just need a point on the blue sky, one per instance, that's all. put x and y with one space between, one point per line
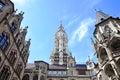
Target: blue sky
78 18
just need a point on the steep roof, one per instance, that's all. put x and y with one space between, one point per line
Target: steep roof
100 16
81 66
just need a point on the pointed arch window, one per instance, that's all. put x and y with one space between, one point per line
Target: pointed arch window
35 77
103 55
109 71
1 5
42 78
25 77
3 41
5 73
18 42
12 27
107 31
12 56
19 68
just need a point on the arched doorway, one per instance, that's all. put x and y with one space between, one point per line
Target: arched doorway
25 77
35 77
42 78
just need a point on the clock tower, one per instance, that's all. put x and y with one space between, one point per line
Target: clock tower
60 53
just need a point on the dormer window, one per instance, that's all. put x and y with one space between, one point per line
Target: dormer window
102 19
1 5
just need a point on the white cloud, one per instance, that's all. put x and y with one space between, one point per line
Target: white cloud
81 31
75 19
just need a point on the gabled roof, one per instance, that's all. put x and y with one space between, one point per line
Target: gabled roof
100 16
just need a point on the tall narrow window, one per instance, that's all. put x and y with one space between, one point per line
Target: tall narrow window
3 41
42 78
18 42
5 73
12 27
107 31
12 57
1 5
35 77
25 77
19 68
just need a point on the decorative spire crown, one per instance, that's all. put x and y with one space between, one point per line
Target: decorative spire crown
60 27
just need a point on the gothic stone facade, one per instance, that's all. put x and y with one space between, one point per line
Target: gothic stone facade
62 64
14 50
107 46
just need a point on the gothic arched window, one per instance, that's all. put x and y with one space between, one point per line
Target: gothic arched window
115 45
3 41
35 77
1 5
103 54
42 78
19 68
109 70
12 27
18 42
107 31
25 77
5 73
12 56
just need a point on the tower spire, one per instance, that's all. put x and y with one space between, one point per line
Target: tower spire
61 28
60 47
100 16
60 23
